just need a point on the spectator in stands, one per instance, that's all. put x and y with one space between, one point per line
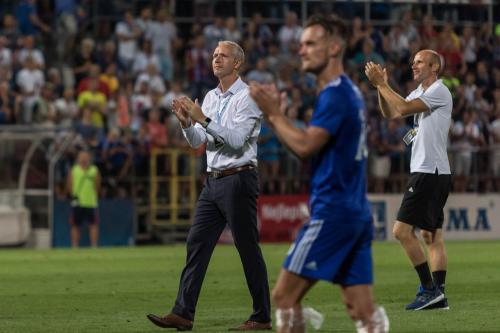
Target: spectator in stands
465 137
198 68
128 34
154 80
469 87
367 53
96 101
66 26
214 33
268 153
44 110
10 31
495 143
175 92
93 75
144 21
84 184
141 147
399 45
469 46
117 157
163 36
357 35
90 133
409 29
29 50
483 79
145 57
66 108
260 33
157 131
9 107
260 73
428 33
30 80
231 30
141 101
108 56
110 79
289 32
27 18
5 53
450 81
84 59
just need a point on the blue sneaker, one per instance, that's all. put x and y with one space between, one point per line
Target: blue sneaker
441 305
426 298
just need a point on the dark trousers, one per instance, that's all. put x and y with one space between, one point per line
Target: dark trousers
232 200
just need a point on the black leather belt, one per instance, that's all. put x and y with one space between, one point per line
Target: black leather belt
230 171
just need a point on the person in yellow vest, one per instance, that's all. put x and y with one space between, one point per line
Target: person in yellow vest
84 183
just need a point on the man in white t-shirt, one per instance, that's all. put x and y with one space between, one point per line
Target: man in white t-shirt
430 180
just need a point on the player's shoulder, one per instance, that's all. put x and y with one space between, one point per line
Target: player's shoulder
439 89
340 87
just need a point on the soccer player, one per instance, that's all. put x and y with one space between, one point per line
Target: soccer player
430 180
335 245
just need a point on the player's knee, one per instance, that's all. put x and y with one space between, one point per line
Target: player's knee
399 234
427 236
351 310
281 300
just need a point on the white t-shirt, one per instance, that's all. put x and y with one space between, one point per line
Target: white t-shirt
429 147
126 49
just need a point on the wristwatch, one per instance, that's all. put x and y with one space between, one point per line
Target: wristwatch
205 122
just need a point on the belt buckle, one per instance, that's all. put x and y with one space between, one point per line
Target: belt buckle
217 174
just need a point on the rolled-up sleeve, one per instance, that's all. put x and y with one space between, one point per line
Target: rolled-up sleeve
246 118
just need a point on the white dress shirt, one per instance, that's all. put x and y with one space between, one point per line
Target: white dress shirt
232 133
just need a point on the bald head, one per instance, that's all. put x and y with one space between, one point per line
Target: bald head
434 59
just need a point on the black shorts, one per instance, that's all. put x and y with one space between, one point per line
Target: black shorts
81 215
424 200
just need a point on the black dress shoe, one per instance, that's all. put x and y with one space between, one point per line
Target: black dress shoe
171 320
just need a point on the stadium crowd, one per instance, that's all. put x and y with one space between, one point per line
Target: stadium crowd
115 88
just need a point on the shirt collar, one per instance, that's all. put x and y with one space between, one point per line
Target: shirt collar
235 87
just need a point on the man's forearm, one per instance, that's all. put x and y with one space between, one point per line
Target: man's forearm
294 138
390 102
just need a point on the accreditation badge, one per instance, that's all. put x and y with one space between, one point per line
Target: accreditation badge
410 136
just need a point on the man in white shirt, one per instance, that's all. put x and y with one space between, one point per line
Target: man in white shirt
229 122
430 181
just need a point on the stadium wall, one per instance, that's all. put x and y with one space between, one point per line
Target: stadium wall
467 216
116 223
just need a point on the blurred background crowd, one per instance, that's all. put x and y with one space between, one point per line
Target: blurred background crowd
109 70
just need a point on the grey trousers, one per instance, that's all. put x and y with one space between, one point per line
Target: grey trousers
228 200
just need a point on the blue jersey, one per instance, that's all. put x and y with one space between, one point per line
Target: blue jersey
338 180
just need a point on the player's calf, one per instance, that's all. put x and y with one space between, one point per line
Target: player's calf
378 323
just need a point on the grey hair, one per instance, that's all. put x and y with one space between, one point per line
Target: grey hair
238 52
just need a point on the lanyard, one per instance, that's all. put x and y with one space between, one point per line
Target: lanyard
222 109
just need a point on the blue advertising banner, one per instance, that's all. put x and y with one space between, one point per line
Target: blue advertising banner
116 224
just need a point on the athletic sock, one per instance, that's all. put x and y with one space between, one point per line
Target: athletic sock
439 279
424 274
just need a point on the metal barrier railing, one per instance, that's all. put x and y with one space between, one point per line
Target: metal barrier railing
176 205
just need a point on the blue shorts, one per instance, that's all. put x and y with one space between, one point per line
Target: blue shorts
338 252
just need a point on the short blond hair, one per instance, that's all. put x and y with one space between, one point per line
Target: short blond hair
238 52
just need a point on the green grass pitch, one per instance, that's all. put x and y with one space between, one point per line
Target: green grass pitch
112 290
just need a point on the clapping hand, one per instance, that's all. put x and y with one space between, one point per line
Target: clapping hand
181 113
376 74
192 108
267 98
